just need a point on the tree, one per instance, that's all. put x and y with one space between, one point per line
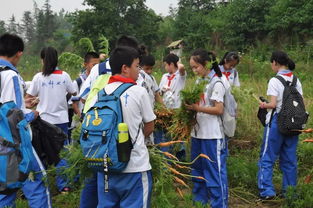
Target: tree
12 27
2 27
28 26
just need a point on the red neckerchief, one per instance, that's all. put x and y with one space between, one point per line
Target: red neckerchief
119 78
288 74
170 78
227 74
57 71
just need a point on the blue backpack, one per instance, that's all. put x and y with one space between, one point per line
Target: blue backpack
99 133
16 154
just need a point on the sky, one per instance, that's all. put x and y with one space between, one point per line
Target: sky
17 7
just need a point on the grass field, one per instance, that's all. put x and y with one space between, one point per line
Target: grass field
244 147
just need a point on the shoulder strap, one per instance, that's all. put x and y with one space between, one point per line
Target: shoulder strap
102 95
79 82
282 80
103 68
294 81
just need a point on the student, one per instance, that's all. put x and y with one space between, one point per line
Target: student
147 80
90 60
51 86
11 50
207 136
104 67
131 188
172 82
227 66
274 143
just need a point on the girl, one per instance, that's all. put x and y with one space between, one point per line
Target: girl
227 66
274 143
208 136
51 86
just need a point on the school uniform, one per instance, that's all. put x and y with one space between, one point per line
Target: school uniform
95 72
131 188
148 82
208 138
53 106
35 191
276 145
231 75
170 86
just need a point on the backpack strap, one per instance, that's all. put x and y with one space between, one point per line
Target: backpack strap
282 80
294 81
79 82
102 67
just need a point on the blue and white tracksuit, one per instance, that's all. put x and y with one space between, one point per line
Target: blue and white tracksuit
37 194
274 146
126 190
215 188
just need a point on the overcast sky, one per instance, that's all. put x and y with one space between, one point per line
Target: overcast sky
17 7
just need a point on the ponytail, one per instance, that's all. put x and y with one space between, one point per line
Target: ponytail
214 65
291 64
50 60
282 58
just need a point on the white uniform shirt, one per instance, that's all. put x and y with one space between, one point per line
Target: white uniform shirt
148 82
231 75
83 78
135 112
210 126
94 74
52 91
12 89
171 97
276 88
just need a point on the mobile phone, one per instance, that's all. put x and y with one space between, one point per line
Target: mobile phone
263 99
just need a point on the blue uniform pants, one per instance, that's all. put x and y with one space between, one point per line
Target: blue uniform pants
214 189
37 194
89 194
126 190
274 146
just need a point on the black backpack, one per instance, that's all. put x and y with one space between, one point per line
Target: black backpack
293 115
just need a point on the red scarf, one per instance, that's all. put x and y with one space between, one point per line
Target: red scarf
227 74
288 74
119 78
170 78
57 71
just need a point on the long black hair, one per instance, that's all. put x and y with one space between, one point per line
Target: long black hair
283 59
49 55
202 56
230 56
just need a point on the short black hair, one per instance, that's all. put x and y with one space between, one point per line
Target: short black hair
49 55
90 55
230 56
129 41
171 58
120 56
148 60
10 44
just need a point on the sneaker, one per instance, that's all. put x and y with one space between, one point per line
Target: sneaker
265 198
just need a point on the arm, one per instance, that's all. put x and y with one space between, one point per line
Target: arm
270 105
76 108
158 98
148 128
217 109
181 69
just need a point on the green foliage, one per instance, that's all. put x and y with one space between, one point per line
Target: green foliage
83 46
299 197
103 45
70 62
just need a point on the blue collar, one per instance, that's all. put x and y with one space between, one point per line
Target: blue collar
284 71
7 64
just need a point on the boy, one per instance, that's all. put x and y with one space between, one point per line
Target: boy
90 60
11 50
132 187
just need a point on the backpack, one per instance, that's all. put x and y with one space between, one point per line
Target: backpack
16 151
103 67
99 134
293 115
230 110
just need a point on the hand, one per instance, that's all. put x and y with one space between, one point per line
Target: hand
193 107
31 102
262 104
